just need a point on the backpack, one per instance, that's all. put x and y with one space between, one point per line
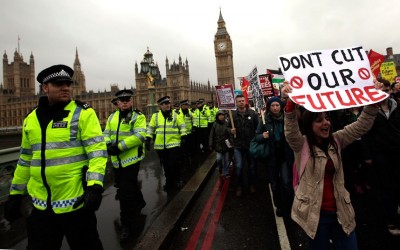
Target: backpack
305 156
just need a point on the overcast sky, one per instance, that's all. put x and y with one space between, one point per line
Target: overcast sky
112 35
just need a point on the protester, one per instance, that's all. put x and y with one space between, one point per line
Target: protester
382 145
61 166
243 127
280 160
322 206
218 139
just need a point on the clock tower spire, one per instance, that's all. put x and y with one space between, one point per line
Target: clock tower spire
223 54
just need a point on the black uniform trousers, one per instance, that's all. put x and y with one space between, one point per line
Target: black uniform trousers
46 230
130 194
171 160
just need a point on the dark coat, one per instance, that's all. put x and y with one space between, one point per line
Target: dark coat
246 125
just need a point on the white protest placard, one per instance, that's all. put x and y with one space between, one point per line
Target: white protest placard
326 80
225 97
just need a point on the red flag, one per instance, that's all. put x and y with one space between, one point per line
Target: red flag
375 59
245 86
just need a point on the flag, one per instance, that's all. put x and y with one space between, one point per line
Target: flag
245 86
277 80
375 60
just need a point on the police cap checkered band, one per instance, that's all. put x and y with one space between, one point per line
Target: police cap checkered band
56 74
124 93
163 100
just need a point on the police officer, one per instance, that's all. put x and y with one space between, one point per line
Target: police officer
125 134
187 115
61 166
200 123
168 131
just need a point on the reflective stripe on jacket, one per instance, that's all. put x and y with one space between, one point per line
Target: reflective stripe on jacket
188 120
131 136
166 132
67 146
200 117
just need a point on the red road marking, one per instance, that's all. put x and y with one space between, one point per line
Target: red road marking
207 243
194 238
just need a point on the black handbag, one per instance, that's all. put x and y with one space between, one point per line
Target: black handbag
259 150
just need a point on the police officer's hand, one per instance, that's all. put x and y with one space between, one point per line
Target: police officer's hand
147 143
183 141
12 209
91 199
112 149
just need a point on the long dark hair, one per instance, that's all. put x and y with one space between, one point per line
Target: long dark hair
308 117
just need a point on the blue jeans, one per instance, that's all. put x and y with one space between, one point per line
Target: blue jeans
329 228
223 162
280 177
239 156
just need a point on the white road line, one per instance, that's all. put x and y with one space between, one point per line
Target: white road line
280 225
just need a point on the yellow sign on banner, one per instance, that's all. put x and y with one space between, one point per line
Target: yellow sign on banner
388 71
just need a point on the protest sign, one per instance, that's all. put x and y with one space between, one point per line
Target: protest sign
225 97
388 71
266 85
256 93
326 80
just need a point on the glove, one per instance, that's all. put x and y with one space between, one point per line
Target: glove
194 129
183 141
147 143
112 149
91 199
12 209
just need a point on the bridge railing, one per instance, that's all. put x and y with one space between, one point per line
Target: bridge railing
8 162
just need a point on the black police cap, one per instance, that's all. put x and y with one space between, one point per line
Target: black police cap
124 93
114 100
56 74
163 100
184 102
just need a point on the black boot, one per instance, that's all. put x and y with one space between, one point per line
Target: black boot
125 234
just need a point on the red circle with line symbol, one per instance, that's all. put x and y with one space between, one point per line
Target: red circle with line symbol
364 73
296 82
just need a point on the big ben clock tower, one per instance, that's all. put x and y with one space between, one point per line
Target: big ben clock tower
223 54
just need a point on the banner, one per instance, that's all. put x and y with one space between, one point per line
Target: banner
330 79
388 71
266 85
375 59
225 97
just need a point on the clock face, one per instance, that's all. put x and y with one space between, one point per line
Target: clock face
221 46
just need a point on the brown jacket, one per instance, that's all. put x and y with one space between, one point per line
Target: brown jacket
308 195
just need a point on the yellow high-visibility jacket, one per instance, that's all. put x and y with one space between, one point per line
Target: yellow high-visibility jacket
166 132
131 133
200 117
50 165
188 120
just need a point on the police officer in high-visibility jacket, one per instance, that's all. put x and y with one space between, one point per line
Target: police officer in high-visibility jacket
61 166
200 124
168 131
187 115
125 135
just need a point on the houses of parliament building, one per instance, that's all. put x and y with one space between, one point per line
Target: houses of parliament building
18 97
